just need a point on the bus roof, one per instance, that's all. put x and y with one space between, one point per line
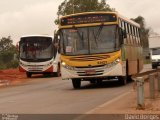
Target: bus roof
103 12
128 20
36 36
83 13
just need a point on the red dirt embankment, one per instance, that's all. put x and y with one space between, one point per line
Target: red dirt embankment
11 75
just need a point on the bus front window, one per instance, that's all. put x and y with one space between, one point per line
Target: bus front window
74 41
89 40
104 39
36 48
156 52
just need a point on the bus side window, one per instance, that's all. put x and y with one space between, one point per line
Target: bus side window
124 31
123 25
120 23
130 34
126 28
138 40
133 36
137 43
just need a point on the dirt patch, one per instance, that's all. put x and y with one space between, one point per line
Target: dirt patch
10 76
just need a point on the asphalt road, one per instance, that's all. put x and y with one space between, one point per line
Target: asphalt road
54 96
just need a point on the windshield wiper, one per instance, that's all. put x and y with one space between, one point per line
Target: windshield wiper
96 36
79 35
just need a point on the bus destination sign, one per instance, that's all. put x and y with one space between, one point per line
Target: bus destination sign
88 18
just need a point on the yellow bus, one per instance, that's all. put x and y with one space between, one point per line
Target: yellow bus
96 46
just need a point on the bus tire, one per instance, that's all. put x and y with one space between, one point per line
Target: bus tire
99 82
28 74
154 67
46 74
129 78
58 73
122 80
76 83
92 81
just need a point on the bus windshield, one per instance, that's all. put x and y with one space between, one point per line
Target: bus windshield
36 48
156 52
89 40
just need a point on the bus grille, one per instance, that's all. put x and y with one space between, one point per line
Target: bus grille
90 66
87 71
35 70
96 73
89 58
32 68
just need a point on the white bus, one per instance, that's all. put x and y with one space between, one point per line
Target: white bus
38 55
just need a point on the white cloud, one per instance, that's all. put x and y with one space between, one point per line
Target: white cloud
33 19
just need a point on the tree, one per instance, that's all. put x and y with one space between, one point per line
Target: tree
7 51
76 6
5 43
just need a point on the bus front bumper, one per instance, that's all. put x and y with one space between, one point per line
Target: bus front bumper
94 72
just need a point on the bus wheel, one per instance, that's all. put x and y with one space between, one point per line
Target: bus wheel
46 74
154 67
76 83
122 80
129 78
99 82
92 81
58 73
28 74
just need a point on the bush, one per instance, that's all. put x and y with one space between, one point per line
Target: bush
13 64
2 66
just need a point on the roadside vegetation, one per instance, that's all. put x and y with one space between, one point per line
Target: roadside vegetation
8 53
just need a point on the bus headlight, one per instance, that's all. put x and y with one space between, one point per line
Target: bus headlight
112 64
63 63
118 60
67 66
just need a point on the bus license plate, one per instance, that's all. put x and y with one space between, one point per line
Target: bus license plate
90 72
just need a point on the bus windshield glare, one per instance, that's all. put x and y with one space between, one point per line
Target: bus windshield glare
36 48
89 40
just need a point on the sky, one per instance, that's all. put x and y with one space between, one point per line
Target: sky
30 17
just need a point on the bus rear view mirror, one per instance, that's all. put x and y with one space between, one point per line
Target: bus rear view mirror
121 35
56 39
56 45
124 34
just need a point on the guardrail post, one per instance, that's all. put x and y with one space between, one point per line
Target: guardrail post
158 79
140 92
152 86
